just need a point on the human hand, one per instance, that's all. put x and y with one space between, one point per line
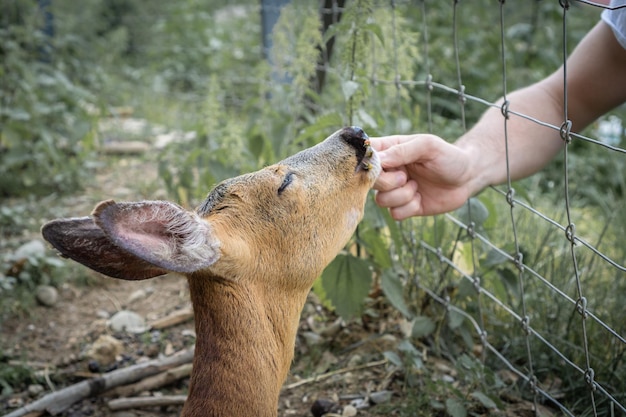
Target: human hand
422 175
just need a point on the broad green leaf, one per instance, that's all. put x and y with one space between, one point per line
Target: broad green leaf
318 289
376 246
423 326
393 289
408 348
412 355
492 219
392 226
484 399
455 408
455 319
476 209
347 281
510 280
493 258
394 358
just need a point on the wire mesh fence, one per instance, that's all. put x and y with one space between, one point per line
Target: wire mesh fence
586 310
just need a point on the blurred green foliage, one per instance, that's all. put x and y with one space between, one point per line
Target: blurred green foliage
44 126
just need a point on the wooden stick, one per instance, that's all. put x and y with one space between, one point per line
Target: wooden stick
150 383
138 402
59 401
177 317
332 373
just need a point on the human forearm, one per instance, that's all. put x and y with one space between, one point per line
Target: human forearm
595 84
529 146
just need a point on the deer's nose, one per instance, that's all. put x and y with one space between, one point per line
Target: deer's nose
355 136
358 132
358 140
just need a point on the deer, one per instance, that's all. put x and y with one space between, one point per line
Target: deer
250 251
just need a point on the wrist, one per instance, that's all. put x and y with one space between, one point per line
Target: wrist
483 169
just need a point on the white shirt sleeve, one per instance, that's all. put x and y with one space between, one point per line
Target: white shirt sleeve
616 19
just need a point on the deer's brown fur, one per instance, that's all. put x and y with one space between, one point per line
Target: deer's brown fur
250 252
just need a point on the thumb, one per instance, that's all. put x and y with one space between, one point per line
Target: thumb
401 154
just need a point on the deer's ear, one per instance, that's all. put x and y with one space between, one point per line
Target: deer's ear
136 241
159 233
83 241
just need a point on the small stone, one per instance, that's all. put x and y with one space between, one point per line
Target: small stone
188 333
137 295
103 314
312 339
323 406
104 350
35 389
93 366
332 329
46 295
381 397
447 379
152 350
355 360
325 362
349 411
127 321
359 403
15 402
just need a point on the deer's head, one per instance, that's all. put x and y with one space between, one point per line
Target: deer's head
287 220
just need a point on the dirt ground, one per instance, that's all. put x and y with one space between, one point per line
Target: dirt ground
56 339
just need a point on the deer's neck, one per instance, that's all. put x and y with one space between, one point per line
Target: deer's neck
244 348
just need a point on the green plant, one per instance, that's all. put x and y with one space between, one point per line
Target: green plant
13 376
43 121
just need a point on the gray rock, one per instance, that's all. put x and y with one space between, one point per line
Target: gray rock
47 295
381 397
127 321
35 389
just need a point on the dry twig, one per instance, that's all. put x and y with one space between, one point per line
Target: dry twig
335 372
138 402
153 382
59 401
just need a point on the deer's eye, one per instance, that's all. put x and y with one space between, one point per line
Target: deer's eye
286 181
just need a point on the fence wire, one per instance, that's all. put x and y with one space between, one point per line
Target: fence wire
583 306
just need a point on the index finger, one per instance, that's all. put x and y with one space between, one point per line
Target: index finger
385 142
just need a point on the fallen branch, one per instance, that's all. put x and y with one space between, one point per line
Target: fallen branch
177 317
156 381
320 377
138 402
59 401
